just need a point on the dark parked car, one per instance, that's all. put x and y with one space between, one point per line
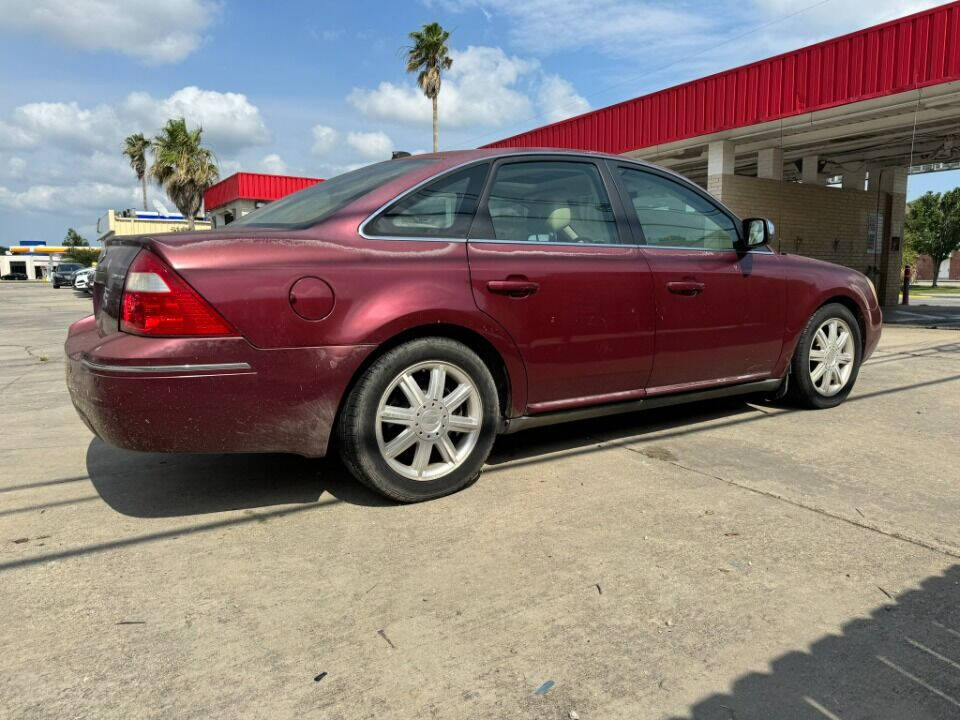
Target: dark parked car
411 310
14 276
64 273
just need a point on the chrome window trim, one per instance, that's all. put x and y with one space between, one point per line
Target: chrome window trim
637 164
539 243
186 368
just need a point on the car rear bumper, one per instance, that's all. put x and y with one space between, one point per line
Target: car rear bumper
206 394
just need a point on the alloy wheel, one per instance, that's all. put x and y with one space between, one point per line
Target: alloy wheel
428 420
832 353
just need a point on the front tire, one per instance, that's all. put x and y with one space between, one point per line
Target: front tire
421 421
827 359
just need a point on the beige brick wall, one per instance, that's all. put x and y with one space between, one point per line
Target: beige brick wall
826 223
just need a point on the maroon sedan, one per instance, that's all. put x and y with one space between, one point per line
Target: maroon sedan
411 310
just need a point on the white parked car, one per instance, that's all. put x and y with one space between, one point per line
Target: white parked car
83 280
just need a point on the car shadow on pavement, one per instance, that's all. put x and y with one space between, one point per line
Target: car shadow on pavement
584 435
901 662
150 485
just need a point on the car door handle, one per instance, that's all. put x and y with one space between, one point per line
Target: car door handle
686 287
514 288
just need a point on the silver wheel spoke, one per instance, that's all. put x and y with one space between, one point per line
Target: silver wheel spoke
412 390
821 338
438 376
842 339
455 399
817 354
462 423
845 357
447 449
818 372
421 457
400 443
398 415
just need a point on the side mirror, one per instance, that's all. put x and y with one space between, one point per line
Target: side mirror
757 232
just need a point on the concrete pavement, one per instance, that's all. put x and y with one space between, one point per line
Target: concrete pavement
724 560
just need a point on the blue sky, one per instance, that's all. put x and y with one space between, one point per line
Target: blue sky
318 88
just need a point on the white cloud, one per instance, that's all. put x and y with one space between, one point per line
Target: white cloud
67 124
15 137
324 139
373 145
91 196
156 32
558 100
229 120
545 27
15 167
480 89
274 165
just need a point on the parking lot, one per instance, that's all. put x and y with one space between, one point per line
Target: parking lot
727 560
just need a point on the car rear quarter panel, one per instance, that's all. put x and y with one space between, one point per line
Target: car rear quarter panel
382 288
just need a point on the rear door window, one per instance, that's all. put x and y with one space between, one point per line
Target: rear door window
551 201
441 209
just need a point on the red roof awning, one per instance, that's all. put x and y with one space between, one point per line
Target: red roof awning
913 52
254 186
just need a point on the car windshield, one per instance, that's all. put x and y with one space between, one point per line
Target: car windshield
68 267
319 201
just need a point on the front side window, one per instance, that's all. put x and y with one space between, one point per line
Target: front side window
551 201
672 215
442 209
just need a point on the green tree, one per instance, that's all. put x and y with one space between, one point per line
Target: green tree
429 57
932 226
86 256
135 148
74 239
183 167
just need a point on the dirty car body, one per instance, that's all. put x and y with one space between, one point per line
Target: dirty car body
602 302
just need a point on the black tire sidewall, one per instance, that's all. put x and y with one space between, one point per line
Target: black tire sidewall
804 390
367 459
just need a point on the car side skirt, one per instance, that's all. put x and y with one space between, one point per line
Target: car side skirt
525 422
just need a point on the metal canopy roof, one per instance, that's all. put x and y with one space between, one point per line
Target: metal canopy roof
857 94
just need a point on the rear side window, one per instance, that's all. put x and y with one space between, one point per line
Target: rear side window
551 201
672 215
441 209
318 202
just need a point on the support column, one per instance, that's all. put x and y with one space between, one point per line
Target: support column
770 164
854 179
721 160
809 173
893 182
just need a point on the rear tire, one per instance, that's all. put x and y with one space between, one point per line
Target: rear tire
827 359
421 421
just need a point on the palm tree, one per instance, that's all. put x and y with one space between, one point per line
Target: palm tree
183 167
135 148
428 56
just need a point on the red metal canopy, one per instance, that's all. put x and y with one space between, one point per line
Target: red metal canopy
254 186
913 52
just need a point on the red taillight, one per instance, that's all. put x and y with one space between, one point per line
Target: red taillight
157 301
